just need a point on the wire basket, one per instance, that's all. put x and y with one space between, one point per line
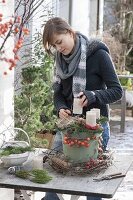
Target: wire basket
15 159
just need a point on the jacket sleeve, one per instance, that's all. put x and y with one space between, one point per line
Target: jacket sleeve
113 91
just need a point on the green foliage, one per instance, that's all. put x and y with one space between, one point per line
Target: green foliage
127 82
14 150
36 95
39 142
40 176
36 175
102 120
22 174
77 127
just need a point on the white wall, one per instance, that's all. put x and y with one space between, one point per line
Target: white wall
84 15
101 14
63 9
93 15
6 92
80 16
6 82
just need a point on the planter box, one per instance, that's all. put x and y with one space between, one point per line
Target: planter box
80 154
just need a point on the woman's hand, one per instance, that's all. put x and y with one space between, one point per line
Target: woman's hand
64 113
83 99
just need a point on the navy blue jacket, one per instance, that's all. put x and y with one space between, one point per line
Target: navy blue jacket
101 78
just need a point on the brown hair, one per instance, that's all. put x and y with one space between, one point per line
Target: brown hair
53 26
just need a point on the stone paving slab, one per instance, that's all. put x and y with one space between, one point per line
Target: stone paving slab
123 141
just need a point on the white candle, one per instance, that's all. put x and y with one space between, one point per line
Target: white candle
97 110
38 162
91 118
77 109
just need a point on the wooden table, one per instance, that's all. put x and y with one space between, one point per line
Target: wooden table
74 185
125 76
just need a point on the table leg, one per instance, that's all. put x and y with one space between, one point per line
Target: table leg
26 196
73 197
60 196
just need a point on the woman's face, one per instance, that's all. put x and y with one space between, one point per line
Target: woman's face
64 43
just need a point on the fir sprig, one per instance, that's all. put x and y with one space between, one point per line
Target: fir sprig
76 127
14 150
36 175
39 176
22 174
102 120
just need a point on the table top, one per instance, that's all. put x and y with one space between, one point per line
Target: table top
76 185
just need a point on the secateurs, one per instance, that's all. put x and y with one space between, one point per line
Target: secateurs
110 176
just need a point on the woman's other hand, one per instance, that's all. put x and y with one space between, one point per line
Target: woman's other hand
83 99
64 113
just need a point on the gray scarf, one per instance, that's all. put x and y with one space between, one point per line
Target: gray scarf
75 64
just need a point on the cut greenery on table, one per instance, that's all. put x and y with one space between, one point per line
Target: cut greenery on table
36 175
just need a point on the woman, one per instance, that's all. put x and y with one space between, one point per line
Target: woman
83 69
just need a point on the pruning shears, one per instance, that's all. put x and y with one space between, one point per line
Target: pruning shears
109 177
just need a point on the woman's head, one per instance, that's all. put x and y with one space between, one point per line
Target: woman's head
59 34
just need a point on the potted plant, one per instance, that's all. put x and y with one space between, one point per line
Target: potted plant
36 96
48 119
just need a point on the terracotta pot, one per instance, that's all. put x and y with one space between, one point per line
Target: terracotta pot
48 136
